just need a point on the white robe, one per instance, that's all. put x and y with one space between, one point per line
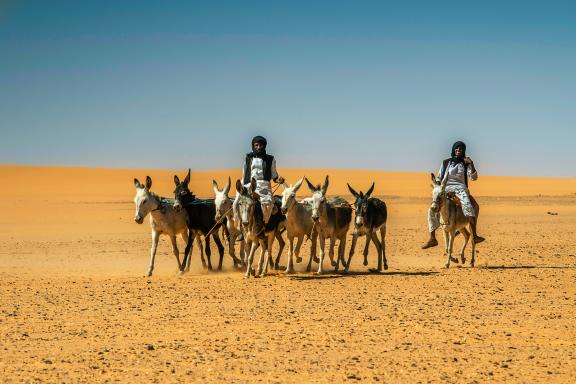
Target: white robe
456 183
263 188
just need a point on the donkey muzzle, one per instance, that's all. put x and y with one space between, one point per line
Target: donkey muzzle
138 219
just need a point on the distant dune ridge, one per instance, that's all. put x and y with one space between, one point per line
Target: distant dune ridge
79 183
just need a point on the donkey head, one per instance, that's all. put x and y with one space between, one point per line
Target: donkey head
144 200
361 204
221 200
182 194
318 199
247 198
289 195
438 193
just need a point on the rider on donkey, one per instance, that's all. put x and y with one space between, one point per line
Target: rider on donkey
260 166
457 169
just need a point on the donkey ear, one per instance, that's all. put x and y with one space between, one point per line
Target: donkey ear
253 185
215 186
239 187
325 186
367 194
176 180
310 185
137 183
148 182
187 179
298 184
227 187
352 191
434 181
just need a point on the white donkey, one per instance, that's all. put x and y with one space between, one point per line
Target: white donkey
299 223
163 219
224 212
452 220
333 219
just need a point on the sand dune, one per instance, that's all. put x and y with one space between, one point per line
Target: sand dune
75 305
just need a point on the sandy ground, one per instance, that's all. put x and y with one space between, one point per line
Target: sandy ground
75 305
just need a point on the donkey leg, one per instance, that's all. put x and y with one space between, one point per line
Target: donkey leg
351 253
378 245
263 254
155 237
270 241
473 257
208 252
341 248
249 260
314 247
322 246
451 236
366 247
290 264
220 248
201 248
175 250
466 235
383 245
281 245
299 242
312 253
187 252
331 250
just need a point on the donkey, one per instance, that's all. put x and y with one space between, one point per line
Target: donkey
255 231
333 220
299 223
201 215
224 213
453 220
371 217
164 220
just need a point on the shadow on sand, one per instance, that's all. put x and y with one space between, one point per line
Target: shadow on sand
335 275
504 267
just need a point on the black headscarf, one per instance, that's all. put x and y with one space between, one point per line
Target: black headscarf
261 140
462 145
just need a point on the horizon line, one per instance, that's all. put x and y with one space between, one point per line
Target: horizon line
119 168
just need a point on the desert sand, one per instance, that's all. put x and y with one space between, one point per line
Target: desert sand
75 305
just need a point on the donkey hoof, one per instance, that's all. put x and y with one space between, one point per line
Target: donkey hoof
365 262
447 265
463 260
298 259
385 267
333 263
316 259
453 259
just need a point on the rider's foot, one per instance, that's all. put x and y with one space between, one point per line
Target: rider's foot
431 243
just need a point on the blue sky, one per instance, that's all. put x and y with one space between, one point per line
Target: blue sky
337 84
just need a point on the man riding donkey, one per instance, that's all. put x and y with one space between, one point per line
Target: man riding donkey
260 166
457 169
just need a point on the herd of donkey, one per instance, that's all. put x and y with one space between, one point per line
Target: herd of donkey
315 217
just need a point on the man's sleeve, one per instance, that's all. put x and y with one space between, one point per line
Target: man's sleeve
472 175
440 173
274 171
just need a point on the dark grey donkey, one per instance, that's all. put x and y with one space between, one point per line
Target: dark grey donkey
201 219
333 219
256 232
371 217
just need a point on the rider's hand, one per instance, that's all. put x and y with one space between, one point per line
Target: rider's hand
280 180
468 161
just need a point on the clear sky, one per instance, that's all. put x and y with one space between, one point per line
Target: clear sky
339 84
